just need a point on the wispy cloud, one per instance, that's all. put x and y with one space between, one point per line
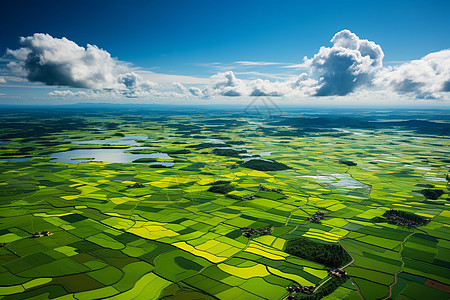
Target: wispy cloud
278 76
257 63
296 66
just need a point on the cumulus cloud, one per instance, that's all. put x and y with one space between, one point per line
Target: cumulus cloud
226 84
351 62
59 61
135 85
70 94
338 70
260 87
115 94
195 91
428 77
2 79
54 61
304 83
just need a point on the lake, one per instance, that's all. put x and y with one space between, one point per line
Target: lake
104 155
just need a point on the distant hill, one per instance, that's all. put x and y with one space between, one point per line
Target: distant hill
419 126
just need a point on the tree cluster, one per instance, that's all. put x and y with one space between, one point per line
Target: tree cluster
228 152
329 287
222 188
145 160
220 182
235 197
347 162
264 165
404 218
432 194
207 145
330 255
181 151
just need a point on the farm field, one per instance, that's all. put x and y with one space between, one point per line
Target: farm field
126 198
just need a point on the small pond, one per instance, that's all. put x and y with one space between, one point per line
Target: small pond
15 159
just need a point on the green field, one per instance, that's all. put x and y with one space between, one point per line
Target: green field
174 239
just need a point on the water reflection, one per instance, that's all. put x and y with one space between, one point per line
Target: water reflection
103 155
124 141
15 159
162 163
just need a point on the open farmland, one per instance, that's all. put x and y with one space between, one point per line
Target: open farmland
153 229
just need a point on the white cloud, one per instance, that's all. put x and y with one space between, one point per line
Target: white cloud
295 66
226 84
71 94
62 62
264 75
256 63
195 91
350 63
338 70
135 91
428 77
54 61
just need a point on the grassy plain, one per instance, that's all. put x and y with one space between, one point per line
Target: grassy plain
174 239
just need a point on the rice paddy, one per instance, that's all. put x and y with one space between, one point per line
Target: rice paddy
174 239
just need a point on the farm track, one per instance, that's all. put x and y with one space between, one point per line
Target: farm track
401 267
353 260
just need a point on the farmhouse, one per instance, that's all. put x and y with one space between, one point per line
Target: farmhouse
136 185
319 215
250 232
338 273
263 188
301 289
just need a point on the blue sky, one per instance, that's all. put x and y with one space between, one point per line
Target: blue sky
202 38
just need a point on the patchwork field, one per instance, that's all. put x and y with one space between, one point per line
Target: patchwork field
152 230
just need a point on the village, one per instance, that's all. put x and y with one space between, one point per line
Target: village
250 232
309 290
319 215
263 188
405 222
404 218
41 234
